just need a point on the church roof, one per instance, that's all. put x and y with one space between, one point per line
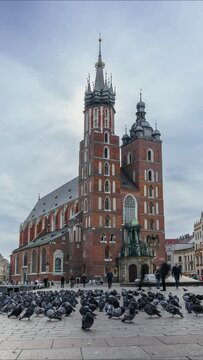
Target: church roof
126 181
60 196
45 239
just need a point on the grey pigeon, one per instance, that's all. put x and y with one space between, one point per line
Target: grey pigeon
129 314
87 320
151 310
172 309
28 313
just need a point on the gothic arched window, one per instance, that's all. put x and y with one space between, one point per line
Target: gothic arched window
150 191
43 260
106 153
129 208
34 262
106 137
107 204
17 264
107 186
95 118
107 221
106 169
107 253
57 265
25 259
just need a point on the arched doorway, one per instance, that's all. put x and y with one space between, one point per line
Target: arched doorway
145 268
132 272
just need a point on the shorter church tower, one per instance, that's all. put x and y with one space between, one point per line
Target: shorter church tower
141 157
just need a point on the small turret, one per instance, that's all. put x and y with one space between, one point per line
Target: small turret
125 137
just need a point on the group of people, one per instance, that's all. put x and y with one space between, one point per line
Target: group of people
163 270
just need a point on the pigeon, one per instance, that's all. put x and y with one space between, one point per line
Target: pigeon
16 311
28 313
172 309
87 321
52 314
129 314
151 310
117 312
197 309
39 310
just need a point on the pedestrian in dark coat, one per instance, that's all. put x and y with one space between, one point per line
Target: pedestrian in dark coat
176 273
109 277
164 270
62 281
84 279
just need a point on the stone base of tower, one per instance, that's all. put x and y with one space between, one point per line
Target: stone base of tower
130 268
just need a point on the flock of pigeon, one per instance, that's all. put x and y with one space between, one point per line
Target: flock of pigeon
56 305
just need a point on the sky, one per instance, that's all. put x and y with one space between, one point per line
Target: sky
47 50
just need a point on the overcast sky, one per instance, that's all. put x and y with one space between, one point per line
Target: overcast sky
47 50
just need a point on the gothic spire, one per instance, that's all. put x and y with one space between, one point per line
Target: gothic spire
99 81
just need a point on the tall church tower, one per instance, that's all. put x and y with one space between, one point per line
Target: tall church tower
141 157
99 177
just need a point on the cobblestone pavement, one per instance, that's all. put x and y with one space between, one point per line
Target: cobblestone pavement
146 338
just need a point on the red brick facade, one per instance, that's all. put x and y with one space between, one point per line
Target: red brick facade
80 227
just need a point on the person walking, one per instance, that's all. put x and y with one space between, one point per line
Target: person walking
164 270
158 277
72 281
84 279
62 281
176 273
143 272
109 277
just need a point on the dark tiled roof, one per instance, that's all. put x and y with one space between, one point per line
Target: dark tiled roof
126 181
45 239
62 195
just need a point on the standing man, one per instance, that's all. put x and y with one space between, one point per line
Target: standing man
158 277
84 279
164 270
176 273
109 276
62 281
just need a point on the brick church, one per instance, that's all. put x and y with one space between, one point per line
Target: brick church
109 217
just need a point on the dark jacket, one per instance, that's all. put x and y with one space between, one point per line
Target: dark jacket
176 271
164 269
